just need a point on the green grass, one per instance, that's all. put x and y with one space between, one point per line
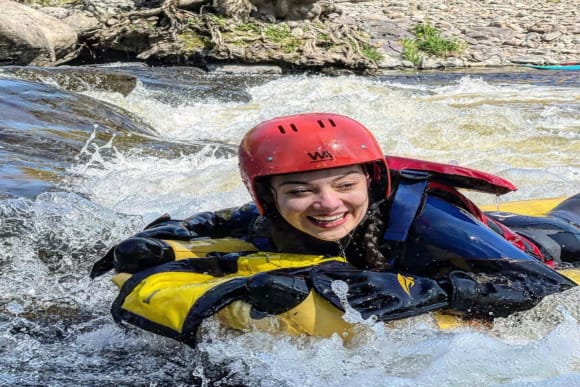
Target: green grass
372 53
278 33
411 51
192 41
428 41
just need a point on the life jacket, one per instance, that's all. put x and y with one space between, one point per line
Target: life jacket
417 178
301 294
229 278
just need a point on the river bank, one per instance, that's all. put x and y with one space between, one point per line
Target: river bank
302 35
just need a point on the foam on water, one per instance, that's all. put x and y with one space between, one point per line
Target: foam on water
150 186
530 136
412 354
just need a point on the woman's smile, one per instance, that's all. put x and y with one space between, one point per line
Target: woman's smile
328 220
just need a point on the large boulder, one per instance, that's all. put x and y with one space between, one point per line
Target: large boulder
30 37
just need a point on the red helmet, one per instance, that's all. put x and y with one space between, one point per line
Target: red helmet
308 142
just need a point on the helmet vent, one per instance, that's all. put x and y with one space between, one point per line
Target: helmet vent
321 123
283 130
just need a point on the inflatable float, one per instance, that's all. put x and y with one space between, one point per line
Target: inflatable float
208 276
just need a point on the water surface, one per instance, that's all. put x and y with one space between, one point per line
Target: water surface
84 165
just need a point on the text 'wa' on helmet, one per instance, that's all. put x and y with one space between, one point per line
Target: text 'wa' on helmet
309 142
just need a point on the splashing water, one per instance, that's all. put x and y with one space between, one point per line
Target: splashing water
55 327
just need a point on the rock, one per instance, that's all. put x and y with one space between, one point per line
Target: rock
492 32
535 60
541 28
389 62
479 56
551 36
111 7
56 12
82 22
495 61
513 42
499 33
574 29
244 69
30 37
236 9
389 29
430 64
440 63
533 37
345 19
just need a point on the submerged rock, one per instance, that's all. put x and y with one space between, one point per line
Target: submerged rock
77 78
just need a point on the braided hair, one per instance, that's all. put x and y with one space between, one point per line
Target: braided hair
372 237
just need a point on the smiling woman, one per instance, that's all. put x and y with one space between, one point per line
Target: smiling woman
396 230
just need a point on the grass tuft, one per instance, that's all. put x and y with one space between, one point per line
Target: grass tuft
428 41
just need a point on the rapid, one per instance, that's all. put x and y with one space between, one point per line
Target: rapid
86 162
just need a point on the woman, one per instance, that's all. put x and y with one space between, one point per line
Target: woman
322 185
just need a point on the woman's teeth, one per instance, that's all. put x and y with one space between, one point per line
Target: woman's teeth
327 219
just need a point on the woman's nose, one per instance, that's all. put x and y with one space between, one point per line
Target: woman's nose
326 199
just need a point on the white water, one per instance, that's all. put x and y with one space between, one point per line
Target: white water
528 134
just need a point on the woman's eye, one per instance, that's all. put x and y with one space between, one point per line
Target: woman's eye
298 191
346 186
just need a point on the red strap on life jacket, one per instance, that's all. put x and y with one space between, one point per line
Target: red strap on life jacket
464 202
519 241
454 175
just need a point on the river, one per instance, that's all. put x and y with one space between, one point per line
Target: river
88 156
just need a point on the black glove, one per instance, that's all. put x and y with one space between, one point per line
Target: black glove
133 255
491 295
142 250
389 296
104 264
165 228
275 294
201 224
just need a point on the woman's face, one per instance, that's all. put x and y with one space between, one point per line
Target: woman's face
326 204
